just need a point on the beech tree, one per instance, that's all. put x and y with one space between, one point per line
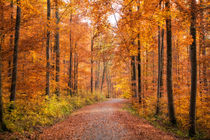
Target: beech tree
169 66
193 60
47 49
15 53
2 123
57 49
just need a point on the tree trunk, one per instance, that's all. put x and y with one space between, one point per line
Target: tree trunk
15 54
70 59
2 124
97 75
133 75
169 67
108 82
91 79
162 62
47 51
159 73
160 65
75 70
139 64
11 40
193 69
57 49
103 76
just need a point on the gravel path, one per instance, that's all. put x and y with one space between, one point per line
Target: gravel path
104 121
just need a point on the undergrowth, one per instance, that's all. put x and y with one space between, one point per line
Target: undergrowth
163 123
31 114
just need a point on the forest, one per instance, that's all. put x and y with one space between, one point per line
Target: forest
57 56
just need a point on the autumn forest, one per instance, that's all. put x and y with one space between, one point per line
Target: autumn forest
69 65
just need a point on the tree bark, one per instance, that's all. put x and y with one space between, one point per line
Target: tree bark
15 53
91 61
97 75
162 62
169 67
2 124
11 40
47 50
193 60
57 48
133 76
159 73
108 82
75 70
139 63
103 76
70 59
160 66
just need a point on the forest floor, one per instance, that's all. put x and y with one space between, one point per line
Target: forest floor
104 121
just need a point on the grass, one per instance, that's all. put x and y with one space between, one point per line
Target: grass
164 125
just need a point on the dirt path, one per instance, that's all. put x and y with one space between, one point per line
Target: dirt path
104 121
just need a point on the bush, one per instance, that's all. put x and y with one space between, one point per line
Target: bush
30 114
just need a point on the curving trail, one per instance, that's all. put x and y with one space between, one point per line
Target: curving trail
104 121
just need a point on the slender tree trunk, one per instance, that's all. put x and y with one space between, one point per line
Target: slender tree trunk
91 79
70 59
109 84
159 73
75 69
2 124
139 63
133 75
162 62
193 60
160 66
153 70
11 40
15 54
47 50
103 76
146 71
169 67
97 75
57 48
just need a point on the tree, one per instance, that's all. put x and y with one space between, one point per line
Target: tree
169 66
133 75
57 49
193 60
76 63
103 75
139 63
15 53
91 62
11 39
2 124
160 66
70 57
47 50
